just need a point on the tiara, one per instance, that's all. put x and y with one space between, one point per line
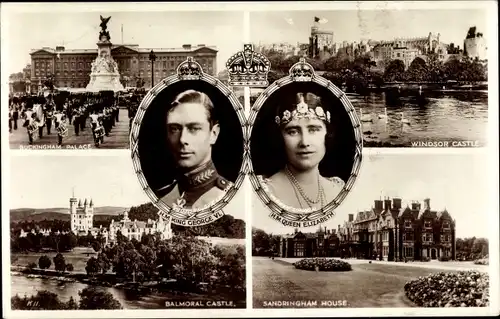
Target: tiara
303 111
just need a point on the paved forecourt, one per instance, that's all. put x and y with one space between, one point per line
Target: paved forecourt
117 139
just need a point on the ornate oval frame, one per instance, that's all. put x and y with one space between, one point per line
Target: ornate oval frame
304 72
186 71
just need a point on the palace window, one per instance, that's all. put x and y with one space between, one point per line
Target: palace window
65 65
72 65
407 223
445 238
407 236
385 236
427 224
446 225
408 251
426 237
385 251
299 249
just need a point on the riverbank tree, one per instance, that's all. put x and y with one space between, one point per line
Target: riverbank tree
186 259
90 298
356 74
59 262
96 298
44 262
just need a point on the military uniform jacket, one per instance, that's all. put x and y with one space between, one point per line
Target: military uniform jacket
196 189
281 188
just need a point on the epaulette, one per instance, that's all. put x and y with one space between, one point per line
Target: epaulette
337 181
222 183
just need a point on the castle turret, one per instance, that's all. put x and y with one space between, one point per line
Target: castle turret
72 205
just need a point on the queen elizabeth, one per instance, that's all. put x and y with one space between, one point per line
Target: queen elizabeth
304 127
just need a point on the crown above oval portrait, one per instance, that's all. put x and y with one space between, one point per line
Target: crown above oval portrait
248 68
301 71
189 70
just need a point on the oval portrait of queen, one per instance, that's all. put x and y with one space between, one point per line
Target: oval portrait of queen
188 146
305 148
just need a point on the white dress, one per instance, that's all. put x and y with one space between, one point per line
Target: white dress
282 190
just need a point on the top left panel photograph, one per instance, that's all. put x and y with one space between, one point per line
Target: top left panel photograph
77 78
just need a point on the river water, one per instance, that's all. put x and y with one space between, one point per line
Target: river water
22 285
432 116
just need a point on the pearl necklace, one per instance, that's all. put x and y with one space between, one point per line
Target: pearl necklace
297 185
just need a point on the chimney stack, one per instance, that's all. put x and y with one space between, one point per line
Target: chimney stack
427 204
387 204
351 217
378 204
396 203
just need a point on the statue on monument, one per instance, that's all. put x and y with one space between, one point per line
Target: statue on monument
105 74
104 28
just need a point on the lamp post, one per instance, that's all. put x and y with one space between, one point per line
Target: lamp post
152 58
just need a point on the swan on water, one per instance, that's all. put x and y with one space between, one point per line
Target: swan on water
366 117
404 120
383 116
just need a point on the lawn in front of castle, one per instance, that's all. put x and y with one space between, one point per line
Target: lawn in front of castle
367 285
77 257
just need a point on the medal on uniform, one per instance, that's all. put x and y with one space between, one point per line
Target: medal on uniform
180 202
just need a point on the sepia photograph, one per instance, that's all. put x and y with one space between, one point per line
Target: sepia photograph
93 240
403 238
415 78
76 79
187 145
305 147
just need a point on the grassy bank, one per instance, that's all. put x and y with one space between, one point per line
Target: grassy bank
78 257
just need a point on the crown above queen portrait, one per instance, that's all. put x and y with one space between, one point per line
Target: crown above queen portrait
313 110
189 70
248 68
301 71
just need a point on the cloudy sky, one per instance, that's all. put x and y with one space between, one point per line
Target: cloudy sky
354 25
108 180
456 182
79 29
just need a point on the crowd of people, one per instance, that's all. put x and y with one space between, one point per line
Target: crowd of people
98 112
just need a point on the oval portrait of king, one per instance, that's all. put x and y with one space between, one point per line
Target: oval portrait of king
187 146
305 147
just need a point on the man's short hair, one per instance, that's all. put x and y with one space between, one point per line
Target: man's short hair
192 96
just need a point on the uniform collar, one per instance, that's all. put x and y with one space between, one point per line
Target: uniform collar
199 177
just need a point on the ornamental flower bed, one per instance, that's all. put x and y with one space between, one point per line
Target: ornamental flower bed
323 264
483 261
444 289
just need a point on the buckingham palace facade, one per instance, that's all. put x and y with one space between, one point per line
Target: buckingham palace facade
71 68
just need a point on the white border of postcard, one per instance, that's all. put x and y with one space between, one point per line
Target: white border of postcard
491 151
